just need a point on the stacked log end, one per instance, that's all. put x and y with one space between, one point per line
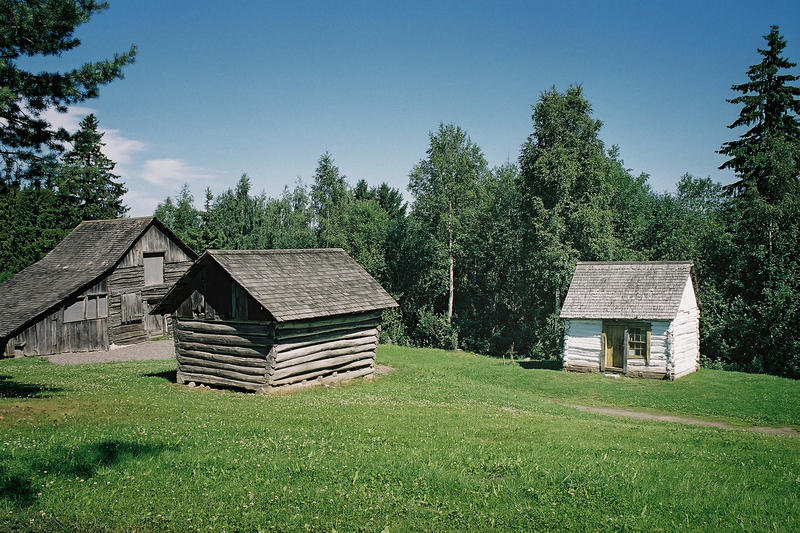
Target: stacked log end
223 353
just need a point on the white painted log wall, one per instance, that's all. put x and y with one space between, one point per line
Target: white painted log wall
685 334
582 340
659 350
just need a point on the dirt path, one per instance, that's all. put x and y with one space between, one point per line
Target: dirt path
135 352
644 415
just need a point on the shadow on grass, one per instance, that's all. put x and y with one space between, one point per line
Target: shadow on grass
169 375
13 389
541 365
17 484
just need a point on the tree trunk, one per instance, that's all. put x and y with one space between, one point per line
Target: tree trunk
450 250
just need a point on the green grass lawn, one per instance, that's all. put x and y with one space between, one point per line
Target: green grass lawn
446 442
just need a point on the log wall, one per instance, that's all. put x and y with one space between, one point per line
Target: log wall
325 350
582 345
226 353
659 366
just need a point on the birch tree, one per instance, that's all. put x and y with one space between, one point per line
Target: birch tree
443 185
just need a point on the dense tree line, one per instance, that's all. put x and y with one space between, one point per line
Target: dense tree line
482 257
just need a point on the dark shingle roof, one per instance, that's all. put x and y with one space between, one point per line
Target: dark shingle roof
293 284
634 290
85 255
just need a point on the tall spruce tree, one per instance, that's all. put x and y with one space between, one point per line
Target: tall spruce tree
766 156
85 181
30 29
763 298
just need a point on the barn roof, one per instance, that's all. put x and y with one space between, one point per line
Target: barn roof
93 248
627 290
292 284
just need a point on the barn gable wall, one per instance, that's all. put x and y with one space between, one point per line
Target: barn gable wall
154 240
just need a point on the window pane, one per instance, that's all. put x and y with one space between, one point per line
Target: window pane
637 342
102 307
74 311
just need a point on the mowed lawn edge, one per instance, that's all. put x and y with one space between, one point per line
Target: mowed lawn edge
446 441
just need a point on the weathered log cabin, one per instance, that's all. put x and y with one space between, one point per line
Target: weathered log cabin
640 319
94 289
265 319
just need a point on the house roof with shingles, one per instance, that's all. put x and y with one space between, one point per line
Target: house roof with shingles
92 249
292 284
627 290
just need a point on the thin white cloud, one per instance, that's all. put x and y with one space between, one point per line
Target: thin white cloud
140 204
169 171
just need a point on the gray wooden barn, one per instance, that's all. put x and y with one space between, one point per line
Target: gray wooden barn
640 319
263 319
94 289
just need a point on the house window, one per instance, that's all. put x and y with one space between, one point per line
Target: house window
638 342
75 310
153 268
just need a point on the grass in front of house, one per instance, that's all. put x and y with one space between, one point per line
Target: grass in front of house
447 441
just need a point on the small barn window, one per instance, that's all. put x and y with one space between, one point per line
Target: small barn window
638 343
153 268
75 311
96 307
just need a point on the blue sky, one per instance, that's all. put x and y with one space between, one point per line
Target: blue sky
222 88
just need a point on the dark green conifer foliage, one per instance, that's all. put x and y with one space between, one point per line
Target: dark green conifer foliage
770 108
85 181
43 28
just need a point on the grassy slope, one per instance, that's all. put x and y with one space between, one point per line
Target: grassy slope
448 441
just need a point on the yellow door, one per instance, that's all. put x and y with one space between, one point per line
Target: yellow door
615 346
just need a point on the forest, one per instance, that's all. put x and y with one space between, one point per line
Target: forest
480 257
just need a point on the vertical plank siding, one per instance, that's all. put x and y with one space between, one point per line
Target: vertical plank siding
154 240
51 334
